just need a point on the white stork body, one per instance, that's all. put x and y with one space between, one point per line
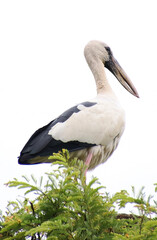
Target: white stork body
101 124
90 130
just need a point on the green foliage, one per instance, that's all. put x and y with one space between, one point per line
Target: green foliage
62 206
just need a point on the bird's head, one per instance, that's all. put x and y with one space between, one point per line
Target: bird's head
96 50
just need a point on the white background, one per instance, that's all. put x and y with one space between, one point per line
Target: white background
43 72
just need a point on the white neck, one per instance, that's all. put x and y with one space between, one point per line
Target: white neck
97 68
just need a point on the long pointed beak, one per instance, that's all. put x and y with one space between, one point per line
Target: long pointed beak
113 66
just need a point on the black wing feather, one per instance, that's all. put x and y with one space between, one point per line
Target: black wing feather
42 144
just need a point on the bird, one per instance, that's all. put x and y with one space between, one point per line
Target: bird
90 130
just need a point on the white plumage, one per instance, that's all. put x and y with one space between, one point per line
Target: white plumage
95 125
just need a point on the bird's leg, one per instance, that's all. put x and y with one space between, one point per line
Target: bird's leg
88 160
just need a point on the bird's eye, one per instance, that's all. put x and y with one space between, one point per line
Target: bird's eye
108 49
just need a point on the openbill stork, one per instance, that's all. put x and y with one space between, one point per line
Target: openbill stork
90 130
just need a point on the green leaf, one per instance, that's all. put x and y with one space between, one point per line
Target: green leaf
65 207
